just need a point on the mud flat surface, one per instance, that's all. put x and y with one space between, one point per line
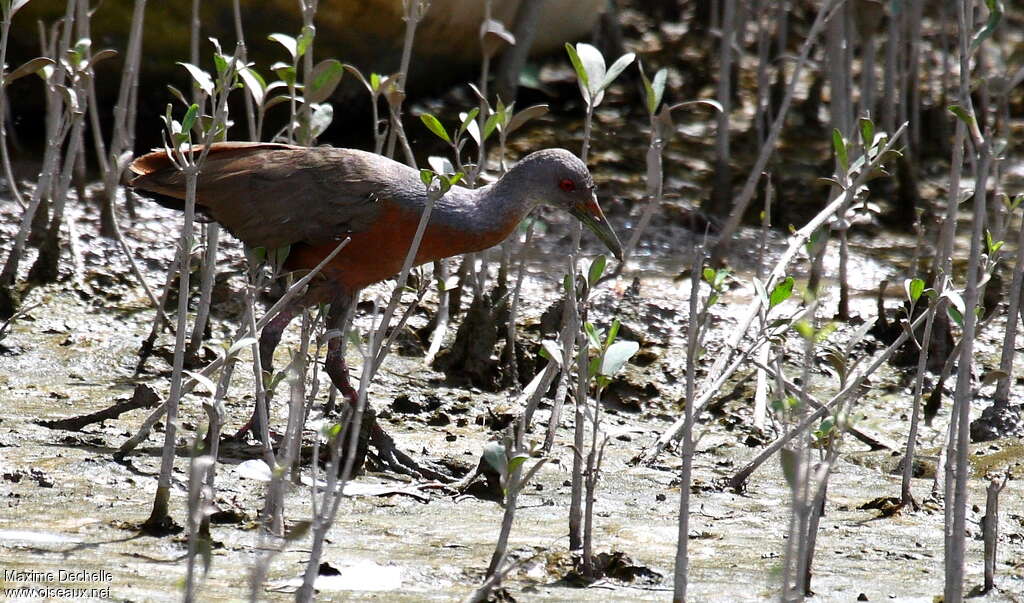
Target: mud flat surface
67 506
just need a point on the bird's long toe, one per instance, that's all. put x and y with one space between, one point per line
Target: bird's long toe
390 458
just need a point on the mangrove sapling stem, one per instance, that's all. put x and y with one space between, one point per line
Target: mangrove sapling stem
190 166
828 8
799 545
198 503
147 425
414 12
326 510
122 133
957 465
957 468
893 64
159 517
875 441
737 481
682 561
250 108
376 350
1002 395
762 101
574 340
51 158
906 496
308 8
288 447
513 60
45 268
5 31
572 329
912 73
722 369
760 412
655 180
817 510
513 313
441 274
534 391
379 351
207 273
722 180
990 528
215 414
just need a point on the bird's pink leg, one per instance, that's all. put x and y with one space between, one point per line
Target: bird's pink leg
388 454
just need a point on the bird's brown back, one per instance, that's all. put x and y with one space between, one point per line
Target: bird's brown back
273 195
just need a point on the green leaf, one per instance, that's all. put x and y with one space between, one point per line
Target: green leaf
805 329
242 344
255 84
596 269
375 81
427 176
720 275
491 124
781 292
468 119
995 15
27 68
992 246
288 42
617 67
962 113
199 77
613 332
190 118
220 63
435 126
656 90
577 65
286 72
617 355
867 132
914 288
823 333
323 115
955 315
709 275
494 454
517 461
519 119
325 78
305 40
202 380
841 153
550 350
593 338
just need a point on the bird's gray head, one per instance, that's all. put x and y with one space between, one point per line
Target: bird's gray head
558 178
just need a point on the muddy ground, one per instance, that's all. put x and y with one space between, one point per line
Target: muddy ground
67 505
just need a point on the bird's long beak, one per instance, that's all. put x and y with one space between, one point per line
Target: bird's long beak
590 214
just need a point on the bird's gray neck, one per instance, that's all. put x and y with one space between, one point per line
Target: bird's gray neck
497 207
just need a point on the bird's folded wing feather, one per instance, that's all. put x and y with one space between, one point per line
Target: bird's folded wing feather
271 195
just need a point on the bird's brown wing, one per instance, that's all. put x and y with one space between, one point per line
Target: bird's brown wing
272 195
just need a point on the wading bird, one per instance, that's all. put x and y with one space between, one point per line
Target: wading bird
274 195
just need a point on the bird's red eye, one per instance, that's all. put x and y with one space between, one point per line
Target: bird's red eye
567 185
